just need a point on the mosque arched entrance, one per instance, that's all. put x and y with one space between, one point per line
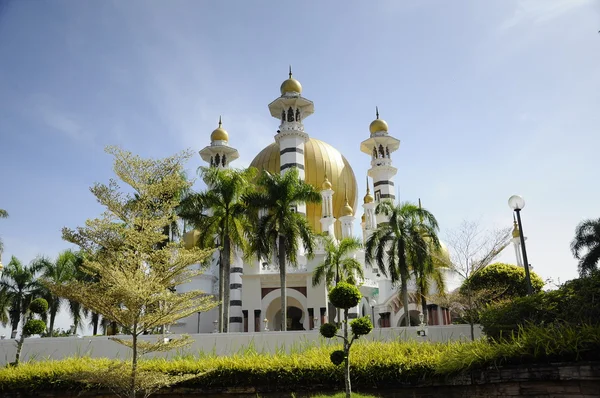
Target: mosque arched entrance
295 317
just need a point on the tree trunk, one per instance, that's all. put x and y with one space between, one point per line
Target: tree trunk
95 319
133 362
470 298
221 291
20 343
404 292
347 359
283 284
424 308
227 283
51 326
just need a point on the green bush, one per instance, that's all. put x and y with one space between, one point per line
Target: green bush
345 296
34 326
373 364
575 302
328 330
502 282
38 306
361 326
337 357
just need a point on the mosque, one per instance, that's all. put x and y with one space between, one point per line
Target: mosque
254 286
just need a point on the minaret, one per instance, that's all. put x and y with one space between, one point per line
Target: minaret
220 154
291 109
369 222
347 218
327 219
380 146
516 240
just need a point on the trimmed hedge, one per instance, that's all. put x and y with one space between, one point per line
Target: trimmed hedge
373 364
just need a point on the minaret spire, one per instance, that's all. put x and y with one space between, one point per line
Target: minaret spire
377 112
220 122
290 71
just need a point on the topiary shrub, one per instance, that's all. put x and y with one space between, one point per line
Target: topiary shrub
361 326
345 296
328 330
34 326
337 357
38 306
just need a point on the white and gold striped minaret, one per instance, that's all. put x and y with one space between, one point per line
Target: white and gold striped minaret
291 109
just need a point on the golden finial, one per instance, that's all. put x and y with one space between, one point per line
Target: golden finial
368 197
326 184
377 112
220 123
219 134
290 71
347 209
515 232
378 124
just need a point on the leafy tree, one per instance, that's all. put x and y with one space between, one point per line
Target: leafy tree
135 273
277 227
345 296
20 284
400 242
586 246
3 213
430 272
500 281
60 271
338 265
4 307
219 212
31 326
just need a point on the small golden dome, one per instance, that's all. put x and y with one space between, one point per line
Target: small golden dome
368 197
219 134
378 124
516 233
363 218
347 209
326 184
291 85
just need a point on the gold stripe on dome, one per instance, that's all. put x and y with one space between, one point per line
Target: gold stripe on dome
316 154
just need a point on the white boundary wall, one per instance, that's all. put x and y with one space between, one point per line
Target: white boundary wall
39 349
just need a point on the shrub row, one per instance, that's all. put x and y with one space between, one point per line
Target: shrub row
577 302
373 364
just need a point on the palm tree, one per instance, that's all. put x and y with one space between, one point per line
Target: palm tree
428 273
278 229
3 214
338 265
586 246
225 219
58 272
20 284
397 244
4 307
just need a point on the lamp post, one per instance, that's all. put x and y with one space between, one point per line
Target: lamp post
517 203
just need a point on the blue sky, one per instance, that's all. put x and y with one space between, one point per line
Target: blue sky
488 98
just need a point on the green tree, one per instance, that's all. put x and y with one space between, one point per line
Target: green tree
3 214
278 229
31 326
431 272
62 270
135 273
4 307
345 296
219 212
21 286
338 265
397 244
586 246
500 281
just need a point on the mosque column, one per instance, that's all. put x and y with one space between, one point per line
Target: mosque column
327 219
291 109
380 145
219 154
369 223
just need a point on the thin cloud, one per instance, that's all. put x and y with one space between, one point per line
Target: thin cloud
540 11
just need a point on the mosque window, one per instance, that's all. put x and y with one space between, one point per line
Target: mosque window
374 153
377 195
297 114
387 152
223 161
290 115
212 162
217 159
283 116
381 154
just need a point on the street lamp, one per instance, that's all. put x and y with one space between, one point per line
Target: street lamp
517 203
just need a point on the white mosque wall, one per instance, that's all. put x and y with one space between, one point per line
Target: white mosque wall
37 349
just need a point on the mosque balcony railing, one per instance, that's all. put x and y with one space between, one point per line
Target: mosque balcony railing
291 126
267 268
367 282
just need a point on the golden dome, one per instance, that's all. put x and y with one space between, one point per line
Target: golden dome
368 197
291 85
363 218
190 239
219 134
316 154
378 124
516 233
347 210
326 184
